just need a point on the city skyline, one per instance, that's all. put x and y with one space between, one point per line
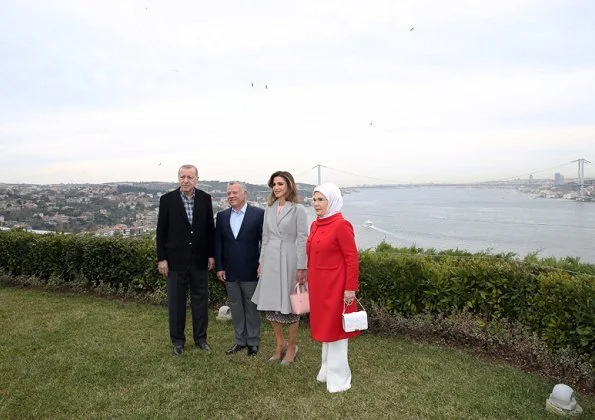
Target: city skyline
391 92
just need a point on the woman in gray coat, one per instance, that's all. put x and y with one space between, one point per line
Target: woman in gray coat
282 261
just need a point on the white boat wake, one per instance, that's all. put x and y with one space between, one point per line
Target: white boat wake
370 225
386 232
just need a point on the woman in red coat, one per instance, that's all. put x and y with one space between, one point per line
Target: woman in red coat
332 282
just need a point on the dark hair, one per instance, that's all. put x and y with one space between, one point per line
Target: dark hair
292 193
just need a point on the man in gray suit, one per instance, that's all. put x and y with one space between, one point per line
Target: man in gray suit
238 235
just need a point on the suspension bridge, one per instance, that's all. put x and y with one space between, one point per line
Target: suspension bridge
322 173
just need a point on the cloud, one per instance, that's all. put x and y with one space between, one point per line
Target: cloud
478 90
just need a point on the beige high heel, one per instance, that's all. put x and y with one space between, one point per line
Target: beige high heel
287 362
274 359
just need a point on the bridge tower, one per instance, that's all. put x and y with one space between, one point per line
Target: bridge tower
319 178
581 175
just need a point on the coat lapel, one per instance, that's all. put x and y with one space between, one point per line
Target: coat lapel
227 222
195 212
272 219
284 212
181 209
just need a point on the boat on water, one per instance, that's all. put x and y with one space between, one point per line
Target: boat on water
368 223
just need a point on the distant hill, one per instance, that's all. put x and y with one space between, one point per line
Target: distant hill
216 188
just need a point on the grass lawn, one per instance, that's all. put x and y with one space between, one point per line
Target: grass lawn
82 357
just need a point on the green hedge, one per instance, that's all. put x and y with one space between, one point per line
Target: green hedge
127 264
557 304
553 298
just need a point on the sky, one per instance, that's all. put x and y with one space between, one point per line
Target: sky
382 91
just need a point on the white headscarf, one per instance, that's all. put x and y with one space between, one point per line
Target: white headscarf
333 195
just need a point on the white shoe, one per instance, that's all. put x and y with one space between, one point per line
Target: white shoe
339 390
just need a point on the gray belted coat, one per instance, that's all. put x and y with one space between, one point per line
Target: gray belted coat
283 251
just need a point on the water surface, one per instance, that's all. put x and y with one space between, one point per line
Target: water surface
473 219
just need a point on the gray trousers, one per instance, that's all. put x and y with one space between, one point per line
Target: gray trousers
244 315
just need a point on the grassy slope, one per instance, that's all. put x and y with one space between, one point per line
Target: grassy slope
82 357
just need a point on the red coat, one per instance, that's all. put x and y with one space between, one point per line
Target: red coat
333 264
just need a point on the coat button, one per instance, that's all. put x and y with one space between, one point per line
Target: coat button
189 243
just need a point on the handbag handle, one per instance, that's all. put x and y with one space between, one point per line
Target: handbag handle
298 289
357 300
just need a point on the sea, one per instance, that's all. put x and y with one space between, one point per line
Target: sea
471 218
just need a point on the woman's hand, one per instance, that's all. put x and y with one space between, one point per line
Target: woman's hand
301 276
349 296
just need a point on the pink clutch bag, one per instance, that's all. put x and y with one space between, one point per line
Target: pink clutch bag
300 300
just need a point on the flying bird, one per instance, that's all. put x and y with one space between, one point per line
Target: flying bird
266 86
412 28
252 84
370 123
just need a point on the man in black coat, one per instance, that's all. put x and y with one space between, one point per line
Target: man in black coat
238 236
185 253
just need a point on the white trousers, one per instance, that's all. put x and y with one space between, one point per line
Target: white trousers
334 369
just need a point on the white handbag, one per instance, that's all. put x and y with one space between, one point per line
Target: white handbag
355 321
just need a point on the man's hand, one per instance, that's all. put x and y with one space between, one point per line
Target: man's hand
163 268
211 263
221 275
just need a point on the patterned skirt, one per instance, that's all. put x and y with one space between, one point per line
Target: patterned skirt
276 316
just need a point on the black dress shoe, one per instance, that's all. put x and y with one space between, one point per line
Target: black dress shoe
204 346
252 350
178 350
234 349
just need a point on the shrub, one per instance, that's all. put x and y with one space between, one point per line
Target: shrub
555 304
109 266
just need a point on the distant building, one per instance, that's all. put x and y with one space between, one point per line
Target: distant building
558 179
530 178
